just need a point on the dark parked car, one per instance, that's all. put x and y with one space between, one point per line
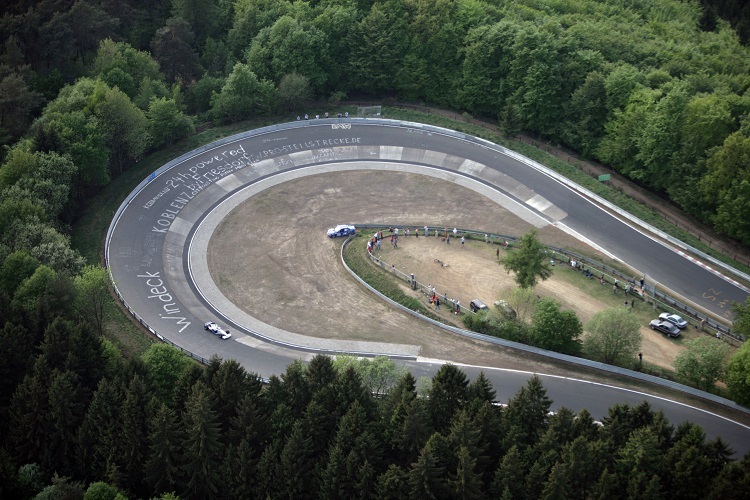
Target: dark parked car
477 305
665 327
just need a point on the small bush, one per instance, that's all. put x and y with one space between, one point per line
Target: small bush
488 324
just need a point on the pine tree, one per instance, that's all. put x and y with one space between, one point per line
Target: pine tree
98 433
28 411
606 487
366 481
250 423
413 433
350 390
425 477
126 460
296 388
465 434
87 358
557 485
230 384
162 466
297 464
66 412
467 483
241 463
487 420
202 448
526 415
537 475
447 395
334 481
481 389
393 484
510 475
16 351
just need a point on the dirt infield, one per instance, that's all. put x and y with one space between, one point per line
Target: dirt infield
283 270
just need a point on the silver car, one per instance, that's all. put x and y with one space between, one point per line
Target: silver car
674 319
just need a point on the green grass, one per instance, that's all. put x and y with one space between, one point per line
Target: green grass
122 330
382 281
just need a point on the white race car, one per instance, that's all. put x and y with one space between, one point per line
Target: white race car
216 330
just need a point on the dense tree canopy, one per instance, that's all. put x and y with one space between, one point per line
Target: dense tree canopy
658 90
97 427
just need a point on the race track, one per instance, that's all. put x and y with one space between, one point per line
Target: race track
148 245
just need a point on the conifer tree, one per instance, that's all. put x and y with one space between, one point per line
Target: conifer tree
162 466
201 448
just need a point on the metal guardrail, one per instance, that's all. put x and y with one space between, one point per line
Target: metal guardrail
542 352
609 274
143 323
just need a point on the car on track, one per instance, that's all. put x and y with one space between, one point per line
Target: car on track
674 319
665 327
341 230
217 330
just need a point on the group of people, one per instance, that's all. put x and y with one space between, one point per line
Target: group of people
325 115
435 299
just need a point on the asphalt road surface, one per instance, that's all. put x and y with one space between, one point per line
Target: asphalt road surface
150 237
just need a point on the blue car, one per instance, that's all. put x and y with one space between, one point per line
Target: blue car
341 230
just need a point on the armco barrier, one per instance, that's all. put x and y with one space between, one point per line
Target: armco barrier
666 302
542 352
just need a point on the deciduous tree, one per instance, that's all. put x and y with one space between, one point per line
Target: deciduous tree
92 296
167 123
613 336
703 361
528 261
125 128
555 329
380 42
738 374
290 46
119 64
243 95
294 91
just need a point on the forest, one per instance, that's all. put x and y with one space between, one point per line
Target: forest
161 427
656 89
